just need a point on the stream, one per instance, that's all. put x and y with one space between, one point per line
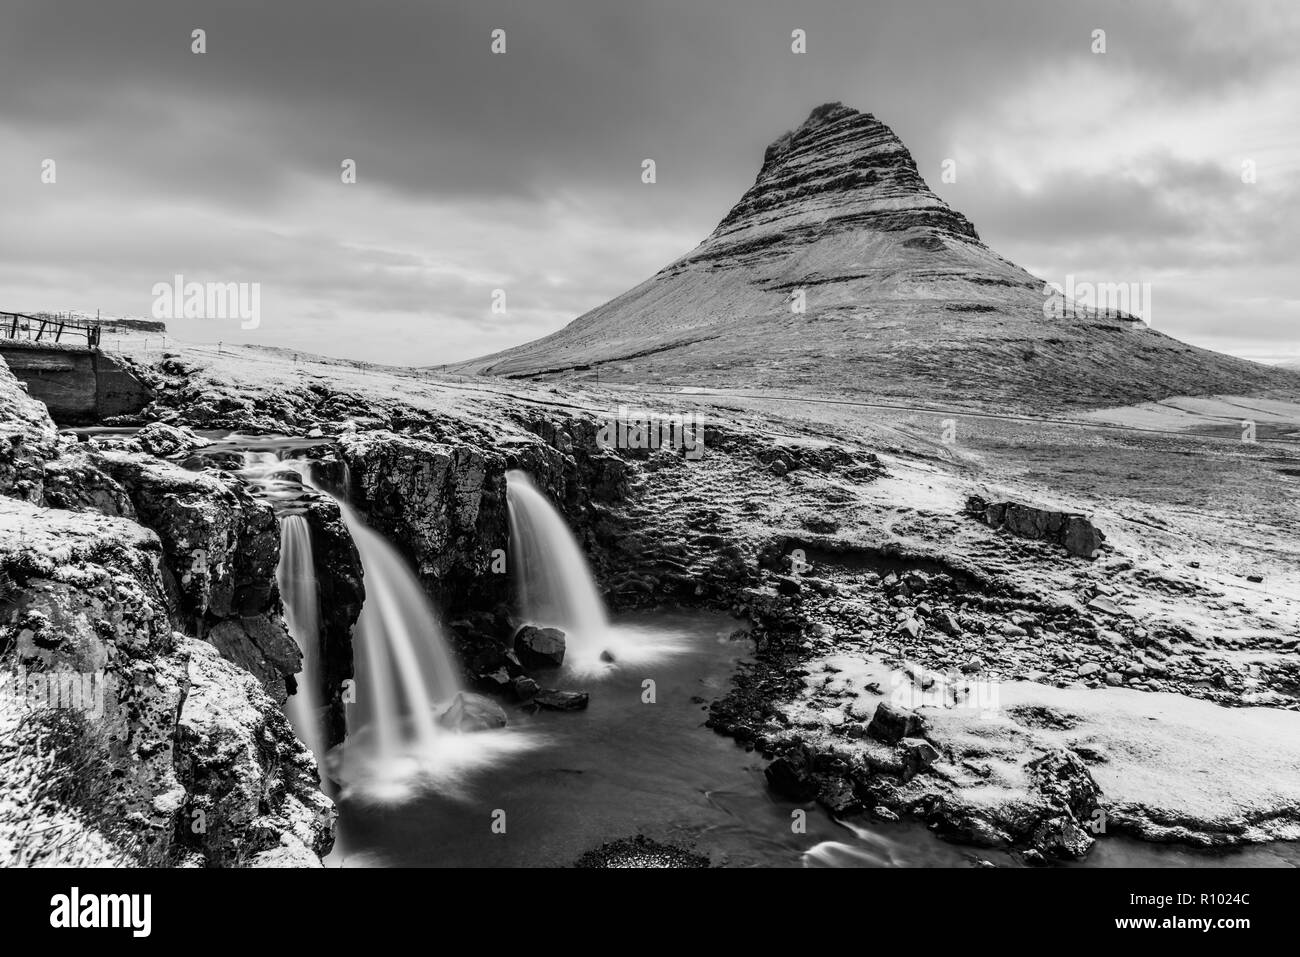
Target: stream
623 767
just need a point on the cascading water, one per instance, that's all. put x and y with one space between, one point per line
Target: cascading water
296 576
405 677
556 587
405 669
406 682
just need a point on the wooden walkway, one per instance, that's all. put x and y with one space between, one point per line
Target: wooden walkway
52 329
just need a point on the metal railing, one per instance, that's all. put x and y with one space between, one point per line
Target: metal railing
18 325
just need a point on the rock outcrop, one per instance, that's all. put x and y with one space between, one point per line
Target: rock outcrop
85 611
123 739
341 590
250 788
1072 531
221 547
27 439
443 504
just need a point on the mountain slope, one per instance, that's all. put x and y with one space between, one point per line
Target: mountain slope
901 299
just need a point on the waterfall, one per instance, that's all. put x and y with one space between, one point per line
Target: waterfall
555 585
405 677
296 576
404 669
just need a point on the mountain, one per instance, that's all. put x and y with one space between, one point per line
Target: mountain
902 300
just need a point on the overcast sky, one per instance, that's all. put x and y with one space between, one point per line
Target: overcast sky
522 171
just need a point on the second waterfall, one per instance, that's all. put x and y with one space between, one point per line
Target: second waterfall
555 585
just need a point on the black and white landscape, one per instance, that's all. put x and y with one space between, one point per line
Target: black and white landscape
366 505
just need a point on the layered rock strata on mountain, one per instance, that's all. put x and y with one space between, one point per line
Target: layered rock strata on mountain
840 271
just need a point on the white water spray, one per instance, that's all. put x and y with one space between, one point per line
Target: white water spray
405 676
557 590
296 575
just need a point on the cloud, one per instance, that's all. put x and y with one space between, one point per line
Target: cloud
522 171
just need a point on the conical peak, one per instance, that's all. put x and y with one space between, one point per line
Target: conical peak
820 116
840 169
830 127
828 113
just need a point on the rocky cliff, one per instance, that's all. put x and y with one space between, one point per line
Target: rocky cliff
144 661
851 567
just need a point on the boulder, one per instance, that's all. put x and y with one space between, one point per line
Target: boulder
74 483
472 712
158 438
837 796
498 681
1073 532
1081 537
525 688
221 546
539 647
891 723
1104 605
788 585
261 646
918 755
791 776
946 622
561 700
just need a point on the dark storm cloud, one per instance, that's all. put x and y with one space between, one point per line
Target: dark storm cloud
226 160
1177 213
411 90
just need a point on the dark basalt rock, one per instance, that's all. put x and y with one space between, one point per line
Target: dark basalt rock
442 504
539 647
497 682
918 755
838 797
342 591
472 712
75 483
1074 532
791 775
222 545
892 724
561 700
160 439
524 688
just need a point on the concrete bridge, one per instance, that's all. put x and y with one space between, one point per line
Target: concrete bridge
60 362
